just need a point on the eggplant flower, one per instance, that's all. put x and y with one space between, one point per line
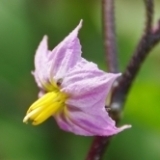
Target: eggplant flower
72 90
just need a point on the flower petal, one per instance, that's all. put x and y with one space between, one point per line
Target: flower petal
95 122
88 88
41 72
67 125
41 54
87 85
66 54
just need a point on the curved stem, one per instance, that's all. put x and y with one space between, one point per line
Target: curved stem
97 148
147 42
108 22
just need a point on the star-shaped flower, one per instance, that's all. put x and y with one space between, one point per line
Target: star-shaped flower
72 90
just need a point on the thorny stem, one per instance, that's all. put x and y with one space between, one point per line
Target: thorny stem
110 45
147 42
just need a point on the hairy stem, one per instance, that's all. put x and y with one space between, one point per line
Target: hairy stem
146 43
97 148
149 39
108 22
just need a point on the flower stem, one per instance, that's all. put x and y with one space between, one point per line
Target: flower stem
98 147
147 42
108 22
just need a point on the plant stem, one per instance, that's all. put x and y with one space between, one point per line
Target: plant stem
110 45
108 20
147 42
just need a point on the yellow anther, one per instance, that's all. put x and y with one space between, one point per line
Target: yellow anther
46 106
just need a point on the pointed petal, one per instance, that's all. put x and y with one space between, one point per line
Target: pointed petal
87 85
42 64
41 54
65 124
66 54
88 88
95 122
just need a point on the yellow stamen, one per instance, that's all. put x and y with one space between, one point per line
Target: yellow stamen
51 96
45 107
47 113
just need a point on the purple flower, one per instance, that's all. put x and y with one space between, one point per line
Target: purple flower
72 90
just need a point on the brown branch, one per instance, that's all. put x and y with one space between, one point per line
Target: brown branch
98 147
108 21
149 7
121 91
148 41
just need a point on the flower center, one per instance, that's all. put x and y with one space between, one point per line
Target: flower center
44 107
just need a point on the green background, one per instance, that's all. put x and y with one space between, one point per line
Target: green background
22 25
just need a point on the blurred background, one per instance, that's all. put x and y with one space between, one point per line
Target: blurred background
22 26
